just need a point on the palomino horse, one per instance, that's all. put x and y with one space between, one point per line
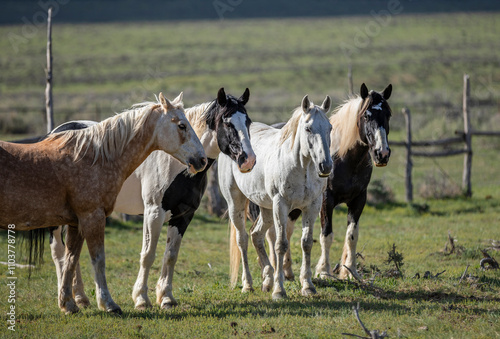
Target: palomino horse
162 190
74 178
291 173
359 137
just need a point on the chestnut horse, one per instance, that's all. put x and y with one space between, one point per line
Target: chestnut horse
74 177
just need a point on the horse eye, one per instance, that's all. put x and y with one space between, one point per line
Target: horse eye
182 126
308 129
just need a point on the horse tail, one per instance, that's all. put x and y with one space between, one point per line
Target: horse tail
234 255
33 243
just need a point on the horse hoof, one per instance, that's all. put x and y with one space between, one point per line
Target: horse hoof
142 307
266 288
307 292
167 305
279 296
142 304
70 308
290 277
82 302
115 310
247 289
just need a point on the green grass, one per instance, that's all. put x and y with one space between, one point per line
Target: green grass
208 307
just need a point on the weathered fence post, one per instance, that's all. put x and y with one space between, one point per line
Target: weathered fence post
48 89
349 81
466 183
409 164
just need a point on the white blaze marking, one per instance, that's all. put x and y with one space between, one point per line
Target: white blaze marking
381 139
238 119
378 106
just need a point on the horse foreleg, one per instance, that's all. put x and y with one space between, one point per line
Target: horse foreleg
355 208
92 227
280 214
237 217
258 232
308 219
164 295
154 216
287 261
74 242
323 267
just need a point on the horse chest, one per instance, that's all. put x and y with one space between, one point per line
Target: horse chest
349 179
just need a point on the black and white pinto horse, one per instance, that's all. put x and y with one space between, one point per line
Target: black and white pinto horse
359 138
163 191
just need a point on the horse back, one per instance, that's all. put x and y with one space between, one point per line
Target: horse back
31 194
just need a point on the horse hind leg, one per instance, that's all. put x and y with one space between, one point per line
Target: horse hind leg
57 250
74 243
258 232
92 227
154 216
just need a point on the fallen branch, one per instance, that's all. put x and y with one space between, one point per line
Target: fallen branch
372 334
492 263
463 275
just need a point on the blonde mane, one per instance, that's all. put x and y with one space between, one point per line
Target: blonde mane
290 128
196 117
344 121
107 139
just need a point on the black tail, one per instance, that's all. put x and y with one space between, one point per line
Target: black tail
33 244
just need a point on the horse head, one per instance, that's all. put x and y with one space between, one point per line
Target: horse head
175 135
231 123
314 133
373 123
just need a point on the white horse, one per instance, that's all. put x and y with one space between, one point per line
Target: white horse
291 173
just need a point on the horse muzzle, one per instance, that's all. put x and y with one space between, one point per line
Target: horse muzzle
325 169
197 165
246 162
381 158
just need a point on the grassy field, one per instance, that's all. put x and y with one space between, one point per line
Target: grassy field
103 68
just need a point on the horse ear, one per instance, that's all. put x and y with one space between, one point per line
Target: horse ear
325 106
363 91
178 100
165 102
244 98
221 97
306 104
386 93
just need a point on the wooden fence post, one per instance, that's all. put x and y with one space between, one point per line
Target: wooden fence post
48 89
466 183
409 164
349 81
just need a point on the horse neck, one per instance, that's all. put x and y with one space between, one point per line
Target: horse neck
296 156
207 136
138 149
